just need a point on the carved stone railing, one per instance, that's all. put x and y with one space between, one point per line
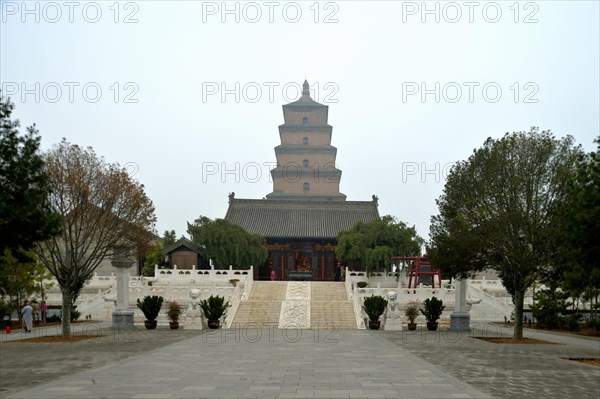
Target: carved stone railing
96 297
235 303
210 274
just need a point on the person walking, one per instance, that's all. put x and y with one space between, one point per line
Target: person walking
27 313
44 309
36 313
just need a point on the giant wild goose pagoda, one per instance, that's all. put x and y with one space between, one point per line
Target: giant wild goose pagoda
301 218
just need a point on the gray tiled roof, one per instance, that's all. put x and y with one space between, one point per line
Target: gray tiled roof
299 219
182 242
304 101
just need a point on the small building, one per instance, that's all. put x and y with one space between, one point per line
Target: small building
183 253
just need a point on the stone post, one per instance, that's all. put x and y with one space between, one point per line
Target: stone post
122 317
460 319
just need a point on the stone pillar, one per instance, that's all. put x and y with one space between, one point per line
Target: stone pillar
460 319
122 317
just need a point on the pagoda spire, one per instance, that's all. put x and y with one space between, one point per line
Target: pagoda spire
305 89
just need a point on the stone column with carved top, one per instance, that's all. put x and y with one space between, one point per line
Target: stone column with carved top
122 317
460 319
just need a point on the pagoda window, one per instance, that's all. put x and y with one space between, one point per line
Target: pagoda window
306 187
305 140
305 120
305 163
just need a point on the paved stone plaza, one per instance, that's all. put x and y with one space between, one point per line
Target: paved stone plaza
271 363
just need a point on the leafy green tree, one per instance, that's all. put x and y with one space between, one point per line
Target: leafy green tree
5 311
373 244
105 214
152 259
155 257
498 208
20 276
577 233
550 305
25 214
169 237
227 243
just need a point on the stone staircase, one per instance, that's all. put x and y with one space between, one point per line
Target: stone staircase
328 304
263 306
330 307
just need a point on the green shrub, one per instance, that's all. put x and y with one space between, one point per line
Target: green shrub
548 305
594 324
573 323
432 309
150 306
174 311
374 306
214 307
4 311
362 284
411 312
75 314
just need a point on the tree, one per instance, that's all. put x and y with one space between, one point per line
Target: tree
169 237
155 257
227 243
373 244
105 214
25 215
20 275
577 233
550 305
498 208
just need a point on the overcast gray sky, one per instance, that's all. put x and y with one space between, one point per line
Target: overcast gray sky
188 94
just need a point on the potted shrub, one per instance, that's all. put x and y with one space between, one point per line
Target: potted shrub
374 306
411 314
361 284
214 308
173 314
150 306
432 310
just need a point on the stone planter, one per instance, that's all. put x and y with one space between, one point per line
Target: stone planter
412 326
213 324
432 325
374 325
150 324
174 325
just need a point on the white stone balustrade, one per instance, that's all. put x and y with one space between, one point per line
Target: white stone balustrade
98 297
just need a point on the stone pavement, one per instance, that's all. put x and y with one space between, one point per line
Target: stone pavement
510 370
23 365
266 363
271 363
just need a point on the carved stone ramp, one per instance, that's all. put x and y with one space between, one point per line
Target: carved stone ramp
295 310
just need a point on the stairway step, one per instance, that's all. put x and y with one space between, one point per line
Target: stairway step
330 307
